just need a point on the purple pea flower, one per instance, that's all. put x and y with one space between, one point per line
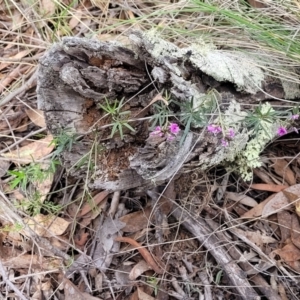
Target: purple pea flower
224 143
170 137
295 117
281 131
156 131
174 128
215 129
231 133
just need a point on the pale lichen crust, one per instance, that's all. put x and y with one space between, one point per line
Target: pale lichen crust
222 65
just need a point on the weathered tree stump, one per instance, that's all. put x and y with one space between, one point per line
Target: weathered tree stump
77 75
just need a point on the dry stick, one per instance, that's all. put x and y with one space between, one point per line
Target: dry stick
23 139
207 287
259 281
177 287
29 84
10 284
14 74
143 251
114 203
204 234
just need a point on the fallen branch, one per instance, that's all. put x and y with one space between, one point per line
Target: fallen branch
203 233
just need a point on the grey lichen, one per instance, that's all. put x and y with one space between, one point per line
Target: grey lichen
222 65
291 89
249 158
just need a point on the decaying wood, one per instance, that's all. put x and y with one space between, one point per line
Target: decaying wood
76 75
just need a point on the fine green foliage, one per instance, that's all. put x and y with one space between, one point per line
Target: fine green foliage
161 114
31 173
34 206
119 117
264 28
153 281
16 227
63 141
26 178
195 113
257 119
219 277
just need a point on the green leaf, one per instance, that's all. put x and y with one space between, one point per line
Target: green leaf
129 127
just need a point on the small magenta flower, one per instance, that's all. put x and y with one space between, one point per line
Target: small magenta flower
295 117
156 131
281 131
231 133
174 128
224 143
214 128
170 137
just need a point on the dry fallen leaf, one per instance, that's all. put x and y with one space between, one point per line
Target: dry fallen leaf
102 4
295 231
256 211
280 201
294 199
281 168
257 237
47 226
81 238
244 199
91 205
143 296
290 254
72 292
268 187
36 116
31 152
257 4
48 7
285 224
75 19
137 220
140 268
26 261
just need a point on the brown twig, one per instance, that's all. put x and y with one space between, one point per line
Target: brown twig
143 251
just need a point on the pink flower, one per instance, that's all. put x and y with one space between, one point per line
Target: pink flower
231 133
156 131
170 137
295 117
224 143
214 128
281 131
174 128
